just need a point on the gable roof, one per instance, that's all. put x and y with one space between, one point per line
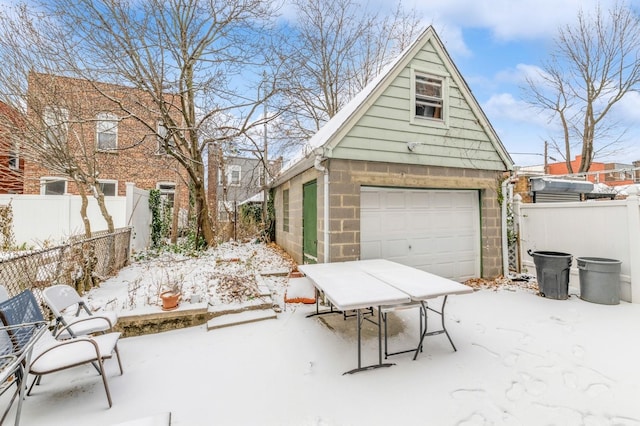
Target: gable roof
329 135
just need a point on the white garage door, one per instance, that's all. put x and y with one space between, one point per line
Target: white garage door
434 230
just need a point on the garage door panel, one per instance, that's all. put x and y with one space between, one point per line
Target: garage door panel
420 227
370 200
394 222
422 245
374 226
395 200
395 248
434 230
420 201
371 250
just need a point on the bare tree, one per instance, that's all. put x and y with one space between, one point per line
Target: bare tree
184 55
334 49
51 131
595 64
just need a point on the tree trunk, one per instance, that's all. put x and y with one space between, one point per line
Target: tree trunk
105 213
175 215
202 214
83 209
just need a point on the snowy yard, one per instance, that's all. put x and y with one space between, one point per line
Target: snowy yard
225 275
521 360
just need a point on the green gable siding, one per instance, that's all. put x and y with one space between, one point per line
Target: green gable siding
382 132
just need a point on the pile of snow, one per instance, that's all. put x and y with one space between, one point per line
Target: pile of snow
222 275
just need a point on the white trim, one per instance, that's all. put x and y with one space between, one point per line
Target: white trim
234 168
106 123
442 122
55 119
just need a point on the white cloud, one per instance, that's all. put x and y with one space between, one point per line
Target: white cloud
519 74
507 19
504 106
452 39
628 108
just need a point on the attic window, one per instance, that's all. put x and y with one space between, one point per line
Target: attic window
428 97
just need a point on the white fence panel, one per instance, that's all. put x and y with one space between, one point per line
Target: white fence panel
607 229
139 217
53 218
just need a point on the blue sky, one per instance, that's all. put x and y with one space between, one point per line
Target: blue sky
495 43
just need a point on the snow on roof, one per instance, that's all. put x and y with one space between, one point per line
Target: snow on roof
257 198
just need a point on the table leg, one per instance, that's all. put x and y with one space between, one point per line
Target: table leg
318 312
359 332
425 333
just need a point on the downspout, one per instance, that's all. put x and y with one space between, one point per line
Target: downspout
505 242
325 172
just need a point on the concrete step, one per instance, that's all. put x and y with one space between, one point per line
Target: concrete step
238 318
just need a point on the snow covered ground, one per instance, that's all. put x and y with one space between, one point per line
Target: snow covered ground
221 276
521 360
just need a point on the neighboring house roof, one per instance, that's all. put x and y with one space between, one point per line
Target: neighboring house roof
256 198
328 138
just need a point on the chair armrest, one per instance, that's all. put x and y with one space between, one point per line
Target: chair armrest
60 354
69 327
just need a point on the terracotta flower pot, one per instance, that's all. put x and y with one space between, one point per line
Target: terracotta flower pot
170 300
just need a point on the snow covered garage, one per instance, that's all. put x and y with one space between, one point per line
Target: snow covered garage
408 170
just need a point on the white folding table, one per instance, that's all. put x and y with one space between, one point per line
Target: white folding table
350 288
420 286
358 285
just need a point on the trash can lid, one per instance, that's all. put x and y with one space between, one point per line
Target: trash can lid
549 253
602 260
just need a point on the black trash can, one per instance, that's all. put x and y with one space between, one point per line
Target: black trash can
552 272
599 280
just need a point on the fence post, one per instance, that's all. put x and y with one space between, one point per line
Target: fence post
129 203
517 202
633 217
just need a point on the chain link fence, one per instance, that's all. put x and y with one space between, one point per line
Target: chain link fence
81 263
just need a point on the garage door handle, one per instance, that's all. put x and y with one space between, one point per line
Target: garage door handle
409 247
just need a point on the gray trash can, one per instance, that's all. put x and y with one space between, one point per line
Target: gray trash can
552 273
599 280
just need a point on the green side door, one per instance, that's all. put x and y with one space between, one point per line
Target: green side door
310 222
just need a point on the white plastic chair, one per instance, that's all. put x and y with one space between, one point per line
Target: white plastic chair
73 315
49 354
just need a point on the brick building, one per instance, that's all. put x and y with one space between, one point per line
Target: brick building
613 174
95 120
11 162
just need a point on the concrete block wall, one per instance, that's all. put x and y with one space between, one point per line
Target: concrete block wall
291 241
346 177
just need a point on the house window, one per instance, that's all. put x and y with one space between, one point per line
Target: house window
167 191
107 131
14 159
234 175
163 142
14 162
53 186
429 96
55 121
285 210
109 187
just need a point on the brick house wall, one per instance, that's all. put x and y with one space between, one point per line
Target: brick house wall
137 158
11 163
